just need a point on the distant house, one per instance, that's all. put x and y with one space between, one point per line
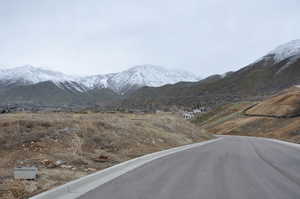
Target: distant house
188 115
199 110
25 173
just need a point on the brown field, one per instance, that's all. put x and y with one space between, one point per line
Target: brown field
85 142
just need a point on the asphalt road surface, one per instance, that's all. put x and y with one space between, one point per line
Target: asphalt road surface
232 168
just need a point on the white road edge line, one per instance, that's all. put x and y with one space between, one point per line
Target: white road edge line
76 188
283 142
264 138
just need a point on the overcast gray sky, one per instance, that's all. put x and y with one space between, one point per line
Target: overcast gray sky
103 36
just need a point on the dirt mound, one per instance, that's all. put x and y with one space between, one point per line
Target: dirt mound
285 104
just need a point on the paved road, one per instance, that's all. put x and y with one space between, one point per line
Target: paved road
232 168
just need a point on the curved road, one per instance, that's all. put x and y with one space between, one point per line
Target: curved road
232 168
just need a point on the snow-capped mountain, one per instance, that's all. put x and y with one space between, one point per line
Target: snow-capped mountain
148 75
289 50
135 77
31 75
96 81
138 76
28 75
288 53
286 50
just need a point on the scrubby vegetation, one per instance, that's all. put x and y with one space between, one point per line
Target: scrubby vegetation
84 142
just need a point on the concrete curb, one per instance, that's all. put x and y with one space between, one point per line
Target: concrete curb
78 187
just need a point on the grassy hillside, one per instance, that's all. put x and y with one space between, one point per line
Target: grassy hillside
284 104
231 120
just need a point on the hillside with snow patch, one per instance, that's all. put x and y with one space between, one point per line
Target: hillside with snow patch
286 50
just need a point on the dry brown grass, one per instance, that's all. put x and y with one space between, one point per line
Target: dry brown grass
228 122
286 103
285 129
79 139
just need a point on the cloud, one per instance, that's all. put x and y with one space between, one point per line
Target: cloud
91 36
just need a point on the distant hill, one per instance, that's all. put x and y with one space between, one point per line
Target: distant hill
275 71
49 93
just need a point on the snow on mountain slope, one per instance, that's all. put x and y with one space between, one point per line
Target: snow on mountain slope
286 50
147 75
96 81
26 75
138 76
32 74
289 51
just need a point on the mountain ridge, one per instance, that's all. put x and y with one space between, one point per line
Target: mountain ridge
122 82
140 87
